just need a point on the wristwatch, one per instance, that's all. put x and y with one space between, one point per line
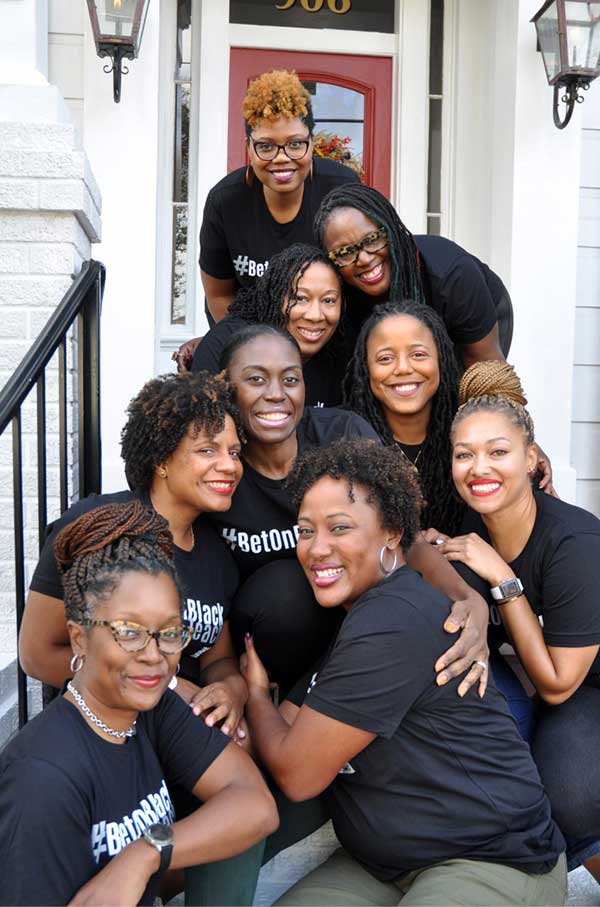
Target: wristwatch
506 591
161 837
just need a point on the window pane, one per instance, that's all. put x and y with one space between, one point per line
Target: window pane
183 97
339 122
434 193
436 47
433 225
178 290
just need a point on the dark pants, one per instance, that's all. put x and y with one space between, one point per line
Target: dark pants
232 882
291 631
565 742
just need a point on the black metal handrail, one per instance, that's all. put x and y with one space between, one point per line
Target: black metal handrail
81 303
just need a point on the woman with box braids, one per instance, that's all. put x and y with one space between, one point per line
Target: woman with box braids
87 788
403 379
538 561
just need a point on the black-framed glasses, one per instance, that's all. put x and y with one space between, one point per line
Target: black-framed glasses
133 638
372 242
295 149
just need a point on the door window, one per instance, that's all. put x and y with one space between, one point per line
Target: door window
339 114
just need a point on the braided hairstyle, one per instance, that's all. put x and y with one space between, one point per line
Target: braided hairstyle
163 412
442 509
391 484
405 281
278 93
96 550
263 303
494 387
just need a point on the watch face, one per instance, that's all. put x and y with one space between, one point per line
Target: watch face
162 834
511 587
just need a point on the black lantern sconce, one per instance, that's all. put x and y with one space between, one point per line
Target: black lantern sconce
568 34
117 26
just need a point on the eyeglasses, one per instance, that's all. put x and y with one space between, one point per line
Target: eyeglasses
295 149
347 255
134 638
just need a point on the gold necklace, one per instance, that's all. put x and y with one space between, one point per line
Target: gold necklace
411 463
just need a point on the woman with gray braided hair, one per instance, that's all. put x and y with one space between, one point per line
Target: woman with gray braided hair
181 446
85 810
539 558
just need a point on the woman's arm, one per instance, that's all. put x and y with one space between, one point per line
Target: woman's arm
469 612
302 749
482 350
555 671
219 294
237 812
44 648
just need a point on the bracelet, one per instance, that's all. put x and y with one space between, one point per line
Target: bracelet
507 600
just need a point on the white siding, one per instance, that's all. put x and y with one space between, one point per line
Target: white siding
585 441
65 54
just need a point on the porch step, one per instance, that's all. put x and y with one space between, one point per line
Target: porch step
9 710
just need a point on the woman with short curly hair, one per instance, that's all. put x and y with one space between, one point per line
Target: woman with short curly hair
434 797
181 446
259 210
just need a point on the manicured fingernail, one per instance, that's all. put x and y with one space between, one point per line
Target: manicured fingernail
225 729
241 734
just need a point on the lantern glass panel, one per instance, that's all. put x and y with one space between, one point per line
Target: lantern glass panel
579 34
547 31
115 17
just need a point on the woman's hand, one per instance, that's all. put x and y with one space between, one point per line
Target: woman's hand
220 701
479 556
470 649
184 355
122 881
253 670
433 536
545 467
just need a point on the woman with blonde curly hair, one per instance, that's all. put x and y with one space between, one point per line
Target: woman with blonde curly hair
263 208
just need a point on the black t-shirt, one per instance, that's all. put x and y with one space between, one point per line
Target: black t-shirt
446 777
261 524
323 373
208 576
239 234
463 291
70 800
560 571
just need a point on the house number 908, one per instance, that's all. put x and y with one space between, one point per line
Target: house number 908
313 6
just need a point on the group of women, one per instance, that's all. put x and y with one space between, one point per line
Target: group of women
313 584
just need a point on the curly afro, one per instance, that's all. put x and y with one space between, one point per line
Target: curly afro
161 414
391 484
279 93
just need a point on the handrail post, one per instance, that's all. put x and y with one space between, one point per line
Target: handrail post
88 373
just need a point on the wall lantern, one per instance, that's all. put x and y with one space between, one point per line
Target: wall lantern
568 34
117 26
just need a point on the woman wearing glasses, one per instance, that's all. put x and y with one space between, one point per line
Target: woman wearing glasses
263 208
381 260
85 811
182 449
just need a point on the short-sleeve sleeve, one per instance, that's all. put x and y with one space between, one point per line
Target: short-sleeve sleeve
45 850
214 251
372 679
468 308
208 352
184 743
570 592
46 576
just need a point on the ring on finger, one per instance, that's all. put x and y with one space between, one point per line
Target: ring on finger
482 664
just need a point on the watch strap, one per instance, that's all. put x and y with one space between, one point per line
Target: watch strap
166 852
507 590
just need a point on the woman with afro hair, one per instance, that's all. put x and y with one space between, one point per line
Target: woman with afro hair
181 447
301 292
261 209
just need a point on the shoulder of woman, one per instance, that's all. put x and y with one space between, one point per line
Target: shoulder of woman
559 520
332 171
232 184
91 502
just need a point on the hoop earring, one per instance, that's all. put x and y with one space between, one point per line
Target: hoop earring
75 665
177 668
249 176
384 569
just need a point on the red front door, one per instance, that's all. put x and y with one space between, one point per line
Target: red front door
351 97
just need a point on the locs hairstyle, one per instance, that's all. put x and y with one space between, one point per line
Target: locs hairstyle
405 282
96 550
442 509
161 414
279 93
391 484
